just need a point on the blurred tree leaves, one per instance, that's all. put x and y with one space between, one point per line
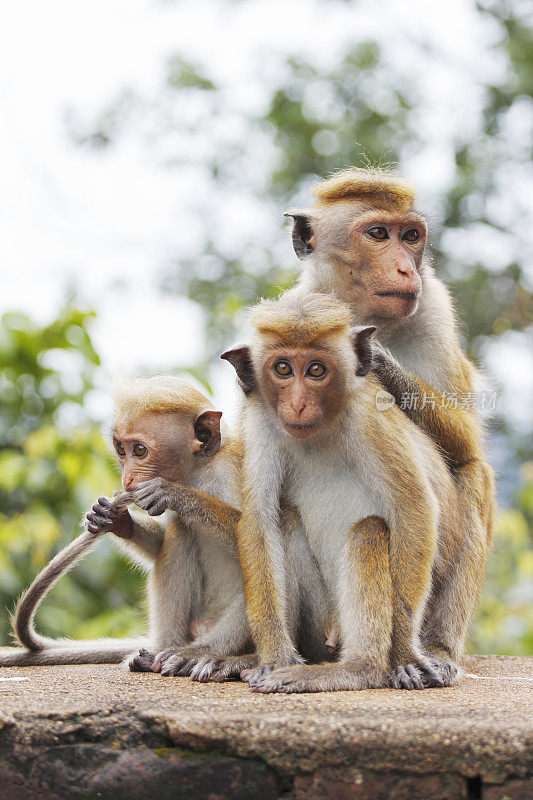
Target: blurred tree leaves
53 464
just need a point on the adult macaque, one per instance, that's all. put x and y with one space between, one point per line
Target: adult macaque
376 500
364 241
175 456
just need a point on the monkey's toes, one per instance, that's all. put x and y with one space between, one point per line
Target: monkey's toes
287 681
205 668
441 673
254 676
232 668
406 678
142 662
177 666
160 659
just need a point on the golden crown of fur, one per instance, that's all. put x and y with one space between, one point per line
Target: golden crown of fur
299 319
135 396
381 186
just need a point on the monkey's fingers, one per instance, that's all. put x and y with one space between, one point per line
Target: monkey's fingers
157 507
97 522
401 680
254 676
446 671
160 659
177 665
120 501
205 668
432 674
415 676
231 668
105 502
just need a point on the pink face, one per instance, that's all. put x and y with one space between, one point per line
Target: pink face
154 445
392 249
304 387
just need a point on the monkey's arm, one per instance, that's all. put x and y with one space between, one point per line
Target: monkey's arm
456 431
262 558
193 506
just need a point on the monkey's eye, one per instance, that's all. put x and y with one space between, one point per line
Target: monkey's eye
411 235
316 370
378 232
120 450
283 368
139 450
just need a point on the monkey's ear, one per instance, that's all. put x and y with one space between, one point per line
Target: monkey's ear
362 345
240 359
207 432
303 236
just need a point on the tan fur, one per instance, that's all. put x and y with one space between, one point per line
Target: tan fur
381 188
308 321
425 361
133 397
389 564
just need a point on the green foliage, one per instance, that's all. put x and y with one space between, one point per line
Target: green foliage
53 464
505 622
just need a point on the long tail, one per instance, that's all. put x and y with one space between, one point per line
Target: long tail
47 577
69 651
43 650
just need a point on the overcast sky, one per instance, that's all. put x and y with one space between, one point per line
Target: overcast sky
104 222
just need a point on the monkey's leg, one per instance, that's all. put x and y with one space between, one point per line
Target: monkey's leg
230 635
314 613
218 652
458 586
175 588
365 619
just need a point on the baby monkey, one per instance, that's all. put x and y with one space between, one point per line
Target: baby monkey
175 457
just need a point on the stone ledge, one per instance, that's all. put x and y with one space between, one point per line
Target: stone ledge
100 732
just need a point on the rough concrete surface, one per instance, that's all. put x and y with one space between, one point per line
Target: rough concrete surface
101 732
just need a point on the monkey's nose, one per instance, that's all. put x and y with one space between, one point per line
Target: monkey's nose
298 408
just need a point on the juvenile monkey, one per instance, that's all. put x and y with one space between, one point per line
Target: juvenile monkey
376 500
175 456
364 241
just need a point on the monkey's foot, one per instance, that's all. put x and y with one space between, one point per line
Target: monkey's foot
227 668
428 674
408 677
320 678
447 671
142 662
254 676
179 660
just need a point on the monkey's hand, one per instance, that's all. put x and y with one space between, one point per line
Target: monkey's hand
383 362
157 495
110 514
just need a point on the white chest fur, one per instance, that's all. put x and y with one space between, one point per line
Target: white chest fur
331 498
